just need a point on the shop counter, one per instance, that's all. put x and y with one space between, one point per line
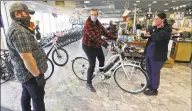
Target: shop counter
137 43
181 50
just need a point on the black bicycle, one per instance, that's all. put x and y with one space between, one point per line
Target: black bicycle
59 55
7 70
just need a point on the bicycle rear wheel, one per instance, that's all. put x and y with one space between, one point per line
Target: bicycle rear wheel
129 78
50 69
5 74
60 56
80 66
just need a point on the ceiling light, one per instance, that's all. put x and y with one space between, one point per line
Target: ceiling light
166 4
173 1
149 4
166 10
137 1
135 4
181 6
173 8
177 8
184 5
154 2
86 1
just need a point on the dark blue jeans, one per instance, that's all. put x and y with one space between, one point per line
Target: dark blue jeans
32 90
153 70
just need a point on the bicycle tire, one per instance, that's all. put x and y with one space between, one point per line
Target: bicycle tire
55 52
7 74
52 65
143 64
73 68
132 92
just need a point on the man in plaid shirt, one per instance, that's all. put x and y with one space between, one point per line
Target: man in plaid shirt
27 57
92 42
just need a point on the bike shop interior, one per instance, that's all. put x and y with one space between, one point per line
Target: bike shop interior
61 28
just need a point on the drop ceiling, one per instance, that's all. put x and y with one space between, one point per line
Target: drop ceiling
115 8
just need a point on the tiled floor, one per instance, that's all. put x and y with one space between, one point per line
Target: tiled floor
64 92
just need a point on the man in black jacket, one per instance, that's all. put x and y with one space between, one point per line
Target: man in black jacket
156 51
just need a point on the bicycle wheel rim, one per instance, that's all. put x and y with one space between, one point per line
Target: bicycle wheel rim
80 66
50 69
143 64
133 85
60 56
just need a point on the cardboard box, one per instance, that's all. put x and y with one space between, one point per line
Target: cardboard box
169 63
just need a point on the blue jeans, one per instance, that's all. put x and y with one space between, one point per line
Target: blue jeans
153 70
32 90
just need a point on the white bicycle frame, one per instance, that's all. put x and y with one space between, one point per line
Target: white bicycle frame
117 65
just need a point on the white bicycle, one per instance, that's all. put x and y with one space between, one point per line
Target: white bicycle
128 77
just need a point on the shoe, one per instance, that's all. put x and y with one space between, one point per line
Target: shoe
90 87
148 87
151 92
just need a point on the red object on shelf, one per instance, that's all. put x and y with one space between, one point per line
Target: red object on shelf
124 18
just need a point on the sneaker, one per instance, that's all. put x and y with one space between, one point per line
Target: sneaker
151 92
90 87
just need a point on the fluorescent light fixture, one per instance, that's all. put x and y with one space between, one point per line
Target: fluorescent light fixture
154 2
166 4
166 10
137 1
184 5
173 1
86 1
149 4
135 4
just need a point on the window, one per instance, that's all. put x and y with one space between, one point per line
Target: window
53 23
46 23
65 22
38 16
59 24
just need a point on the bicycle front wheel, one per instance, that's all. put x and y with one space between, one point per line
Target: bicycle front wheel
80 66
60 56
50 69
129 78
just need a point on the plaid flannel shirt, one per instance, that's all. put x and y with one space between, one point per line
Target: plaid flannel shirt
20 39
92 34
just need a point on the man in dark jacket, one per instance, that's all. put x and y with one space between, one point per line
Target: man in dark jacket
156 51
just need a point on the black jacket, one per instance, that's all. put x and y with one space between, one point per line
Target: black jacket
161 37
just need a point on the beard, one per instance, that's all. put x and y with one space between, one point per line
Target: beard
26 20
